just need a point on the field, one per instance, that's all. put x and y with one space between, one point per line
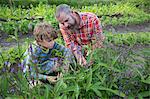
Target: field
121 69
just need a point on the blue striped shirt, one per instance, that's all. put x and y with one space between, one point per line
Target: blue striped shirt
44 59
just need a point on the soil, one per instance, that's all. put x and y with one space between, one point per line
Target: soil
144 27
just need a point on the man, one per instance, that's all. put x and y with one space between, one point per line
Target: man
79 29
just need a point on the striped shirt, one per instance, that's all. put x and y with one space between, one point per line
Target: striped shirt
89 28
45 59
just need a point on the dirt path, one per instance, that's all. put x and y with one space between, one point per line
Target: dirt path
144 27
7 42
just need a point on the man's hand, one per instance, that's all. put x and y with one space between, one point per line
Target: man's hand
83 61
59 75
89 64
80 58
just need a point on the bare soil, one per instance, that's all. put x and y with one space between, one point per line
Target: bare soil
144 27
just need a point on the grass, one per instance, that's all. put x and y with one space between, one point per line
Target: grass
129 39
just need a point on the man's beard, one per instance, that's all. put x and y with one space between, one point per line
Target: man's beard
73 26
74 29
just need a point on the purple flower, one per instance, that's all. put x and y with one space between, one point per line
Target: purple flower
54 59
126 92
21 66
30 69
12 70
7 63
4 70
35 61
12 90
31 49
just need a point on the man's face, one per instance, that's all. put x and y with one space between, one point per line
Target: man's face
67 20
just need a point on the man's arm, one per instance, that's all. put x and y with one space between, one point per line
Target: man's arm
80 58
98 37
76 49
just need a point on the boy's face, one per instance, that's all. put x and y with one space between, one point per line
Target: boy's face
46 44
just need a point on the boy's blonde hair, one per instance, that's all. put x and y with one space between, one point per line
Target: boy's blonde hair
44 31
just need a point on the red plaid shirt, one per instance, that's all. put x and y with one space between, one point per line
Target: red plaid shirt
89 26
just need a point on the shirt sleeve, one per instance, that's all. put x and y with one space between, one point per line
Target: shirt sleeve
29 61
98 29
68 55
40 76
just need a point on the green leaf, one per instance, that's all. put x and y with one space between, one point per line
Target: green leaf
116 92
89 79
14 97
147 81
68 89
115 60
102 79
46 94
95 88
98 93
95 67
77 91
144 94
69 77
4 84
103 64
58 85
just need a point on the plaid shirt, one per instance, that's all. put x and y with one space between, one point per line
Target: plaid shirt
45 59
89 26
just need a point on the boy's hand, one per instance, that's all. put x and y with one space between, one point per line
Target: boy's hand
59 75
52 79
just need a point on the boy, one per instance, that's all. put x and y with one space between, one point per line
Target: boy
45 56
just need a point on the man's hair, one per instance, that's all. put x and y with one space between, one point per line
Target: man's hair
62 8
44 31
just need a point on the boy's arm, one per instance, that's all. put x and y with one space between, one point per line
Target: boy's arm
44 77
